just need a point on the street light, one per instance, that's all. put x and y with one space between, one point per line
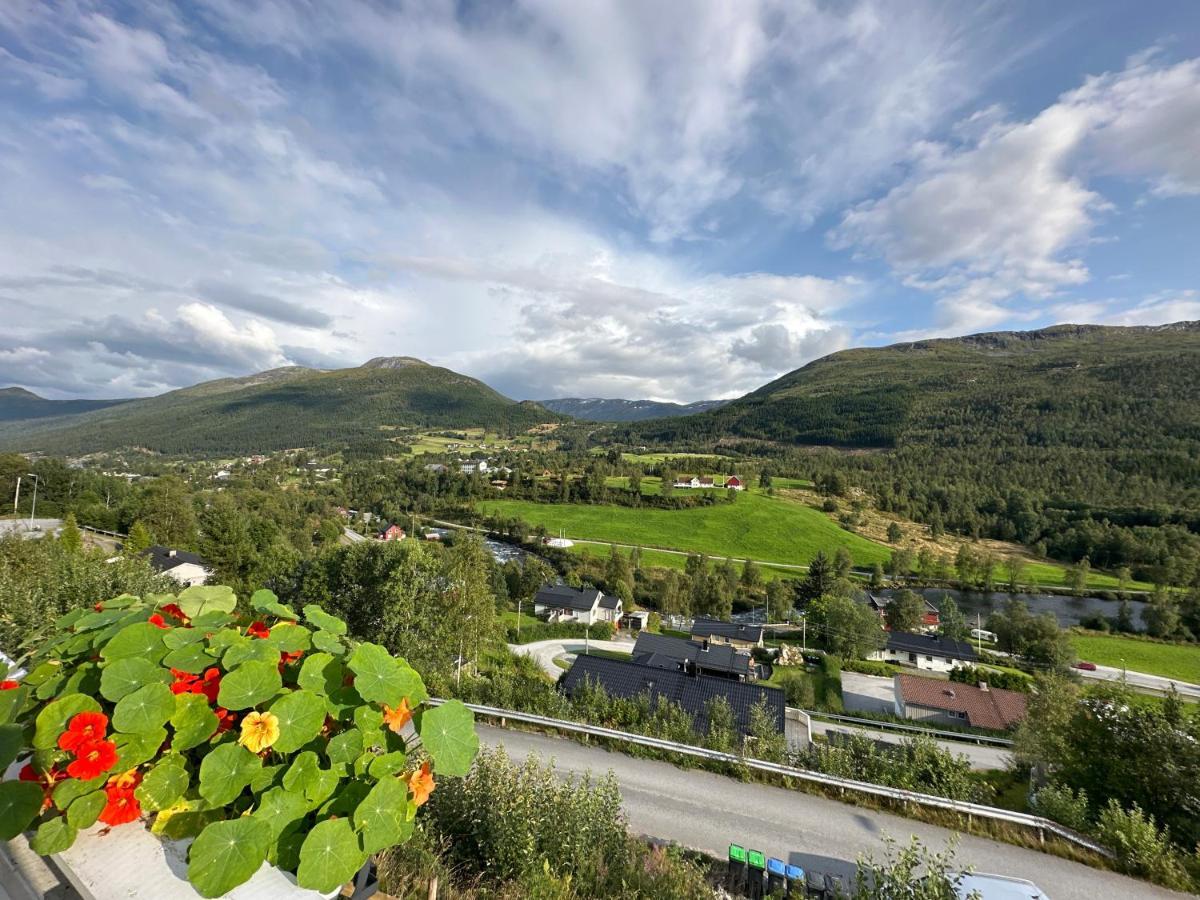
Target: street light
33 506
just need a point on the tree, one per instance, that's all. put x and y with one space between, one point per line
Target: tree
953 623
849 629
966 565
226 544
71 537
1125 616
779 600
330 532
842 563
912 872
667 486
138 540
1077 576
1014 568
818 581
894 532
876 575
635 482
728 574
751 576
1161 615
1124 579
617 571
905 612
165 508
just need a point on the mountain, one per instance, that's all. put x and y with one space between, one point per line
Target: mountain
596 409
17 403
281 408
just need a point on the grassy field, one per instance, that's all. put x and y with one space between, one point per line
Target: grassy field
755 527
1178 661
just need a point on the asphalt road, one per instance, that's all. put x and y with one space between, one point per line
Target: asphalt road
706 812
1155 684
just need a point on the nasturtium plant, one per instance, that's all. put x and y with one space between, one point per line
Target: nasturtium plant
267 736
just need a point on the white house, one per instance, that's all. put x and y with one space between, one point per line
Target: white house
186 568
925 651
561 603
475 465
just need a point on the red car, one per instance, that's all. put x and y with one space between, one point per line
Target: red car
1086 666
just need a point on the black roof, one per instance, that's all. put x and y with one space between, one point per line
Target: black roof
564 596
880 602
930 645
690 692
729 630
608 601
164 558
716 657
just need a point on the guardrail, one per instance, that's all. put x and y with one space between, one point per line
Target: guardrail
964 736
102 531
1041 825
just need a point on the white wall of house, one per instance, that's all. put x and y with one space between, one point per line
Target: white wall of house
925 661
189 574
560 614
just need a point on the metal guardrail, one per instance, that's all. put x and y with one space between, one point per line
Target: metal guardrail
880 725
1041 825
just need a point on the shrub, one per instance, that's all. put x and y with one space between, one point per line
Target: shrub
1141 848
870 667
324 754
1063 805
544 631
831 666
1009 681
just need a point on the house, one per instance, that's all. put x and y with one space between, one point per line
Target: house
563 603
691 692
930 619
934 700
925 651
687 481
700 657
475 465
705 481
186 568
391 532
435 467
636 620
734 483
744 637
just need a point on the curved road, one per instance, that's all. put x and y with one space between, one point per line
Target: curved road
1140 681
706 812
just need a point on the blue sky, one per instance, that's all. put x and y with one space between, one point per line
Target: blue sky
581 199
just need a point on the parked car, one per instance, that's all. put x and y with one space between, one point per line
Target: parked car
998 887
1086 666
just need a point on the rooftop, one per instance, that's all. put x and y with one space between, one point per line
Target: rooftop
702 628
563 596
163 559
718 657
985 708
930 645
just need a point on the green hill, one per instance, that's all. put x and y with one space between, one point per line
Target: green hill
17 403
289 407
1083 438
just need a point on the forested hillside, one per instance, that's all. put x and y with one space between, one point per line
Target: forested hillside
597 409
292 407
18 403
1083 438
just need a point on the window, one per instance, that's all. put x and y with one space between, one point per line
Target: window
929 659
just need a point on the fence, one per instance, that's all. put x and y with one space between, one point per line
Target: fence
883 725
1038 823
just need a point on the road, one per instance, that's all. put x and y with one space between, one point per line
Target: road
1154 684
706 812
545 651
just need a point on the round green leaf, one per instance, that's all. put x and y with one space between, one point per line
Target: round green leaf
124 676
381 678
163 785
191 658
69 790
181 637
308 778
53 836
382 817
248 649
145 710
301 716
321 673
330 643
248 685
448 733
12 702
200 599
323 620
140 639
194 722
388 764
226 854
281 809
329 857
52 720
135 749
84 812
288 638
343 749
225 772
265 601
20 802
11 741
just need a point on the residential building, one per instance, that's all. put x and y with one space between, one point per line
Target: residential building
635 620
473 466
700 657
925 651
934 700
734 483
562 603
930 618
435 467
687 481
744 637
391 532
691 692
188 569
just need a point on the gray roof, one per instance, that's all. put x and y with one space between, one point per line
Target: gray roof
880 602
716 657
702 627
690 692
608 601
930 645
562 596
163 559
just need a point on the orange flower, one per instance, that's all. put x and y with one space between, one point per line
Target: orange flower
9 685
122 806
158 621
126 781
47 780
92 759
397 718
258 630
98 607
173 610
420 784
225 719
84 728
287 657
209 685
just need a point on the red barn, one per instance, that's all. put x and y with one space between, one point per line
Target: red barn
734 483
391 533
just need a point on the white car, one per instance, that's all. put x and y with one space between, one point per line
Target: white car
998 887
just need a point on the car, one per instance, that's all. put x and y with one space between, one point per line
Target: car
1086 666
998 887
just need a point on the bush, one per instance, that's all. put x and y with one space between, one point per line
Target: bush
544 631
1141 848
870 667
1009 681
831 666
1063 805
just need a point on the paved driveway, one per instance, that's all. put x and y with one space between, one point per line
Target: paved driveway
546 651
868 693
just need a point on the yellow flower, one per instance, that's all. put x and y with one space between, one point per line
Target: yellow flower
259 731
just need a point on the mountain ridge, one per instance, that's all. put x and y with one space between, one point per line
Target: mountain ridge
603 409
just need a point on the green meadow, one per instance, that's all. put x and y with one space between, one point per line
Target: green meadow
1178 661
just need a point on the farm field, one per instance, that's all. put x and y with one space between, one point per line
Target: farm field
664 560
755 526
1178 661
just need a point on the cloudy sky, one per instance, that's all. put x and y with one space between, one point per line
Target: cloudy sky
673 200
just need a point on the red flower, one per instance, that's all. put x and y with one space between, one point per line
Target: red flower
84 728
46 779
225 719
158 621
92 759
122 806
99 607
258 630
288 657
9 685
209 686
173 610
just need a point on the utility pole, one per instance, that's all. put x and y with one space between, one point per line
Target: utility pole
979 635
33 507
804 632
17 497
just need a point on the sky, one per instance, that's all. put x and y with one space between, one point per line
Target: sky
673 200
